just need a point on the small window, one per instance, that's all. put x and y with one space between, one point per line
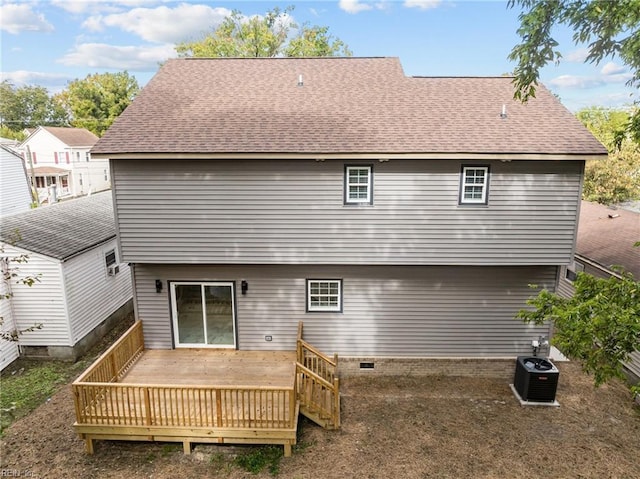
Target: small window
474 184
106 177
573 270
87 156
77 156
110 258
358 185
324 295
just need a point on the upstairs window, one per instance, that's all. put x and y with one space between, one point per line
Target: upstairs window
324 295
358 185
474 185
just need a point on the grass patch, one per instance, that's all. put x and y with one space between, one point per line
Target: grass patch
260 458
26 385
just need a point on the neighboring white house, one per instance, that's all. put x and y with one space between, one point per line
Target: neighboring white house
15 194
60 156
83 288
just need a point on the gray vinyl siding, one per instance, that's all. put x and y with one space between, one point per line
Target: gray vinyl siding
93 295
634 364
398 311
293 212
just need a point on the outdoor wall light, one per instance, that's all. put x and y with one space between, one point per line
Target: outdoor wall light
244 287
158 286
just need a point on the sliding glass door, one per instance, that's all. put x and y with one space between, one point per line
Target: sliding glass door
203 314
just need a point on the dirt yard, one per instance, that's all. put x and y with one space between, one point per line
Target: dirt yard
438 427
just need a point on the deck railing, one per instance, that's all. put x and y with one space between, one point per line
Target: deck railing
318 388
107 408
116 360
186 406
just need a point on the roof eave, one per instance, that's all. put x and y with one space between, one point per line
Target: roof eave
381 156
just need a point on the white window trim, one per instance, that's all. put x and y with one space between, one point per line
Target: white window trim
324 309
485 186
174 313
347 185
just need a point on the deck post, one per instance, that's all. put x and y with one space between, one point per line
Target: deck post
336 403
88 442
186 446
287 450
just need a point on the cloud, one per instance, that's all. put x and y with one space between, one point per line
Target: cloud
100 55
24 77
577 56
162 24
612 69
95 6
422 4
18 18
575 81
353 6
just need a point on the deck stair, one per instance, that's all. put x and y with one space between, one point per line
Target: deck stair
317 387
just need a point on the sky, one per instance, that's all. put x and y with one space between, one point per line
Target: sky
52 42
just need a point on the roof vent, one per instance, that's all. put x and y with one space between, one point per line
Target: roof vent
503 114
300 82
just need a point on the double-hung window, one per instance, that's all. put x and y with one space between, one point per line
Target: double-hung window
358 185
324 295
474 185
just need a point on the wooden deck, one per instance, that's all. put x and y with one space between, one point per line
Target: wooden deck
220 367
203 395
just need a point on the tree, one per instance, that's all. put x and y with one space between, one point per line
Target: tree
608 27
599 325
617 178
29 107
95 102
264 36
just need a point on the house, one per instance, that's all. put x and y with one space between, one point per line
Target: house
83 285
15 193
606 238
401 218
60 163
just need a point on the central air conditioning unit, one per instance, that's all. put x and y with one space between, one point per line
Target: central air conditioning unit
536 379
113 270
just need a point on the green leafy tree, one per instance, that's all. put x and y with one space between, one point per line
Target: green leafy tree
599 325
95 102
617 178
29 107
315 41
264 36
608 28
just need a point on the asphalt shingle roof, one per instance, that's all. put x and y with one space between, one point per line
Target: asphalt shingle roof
607 236
63 229
345 105
74 137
